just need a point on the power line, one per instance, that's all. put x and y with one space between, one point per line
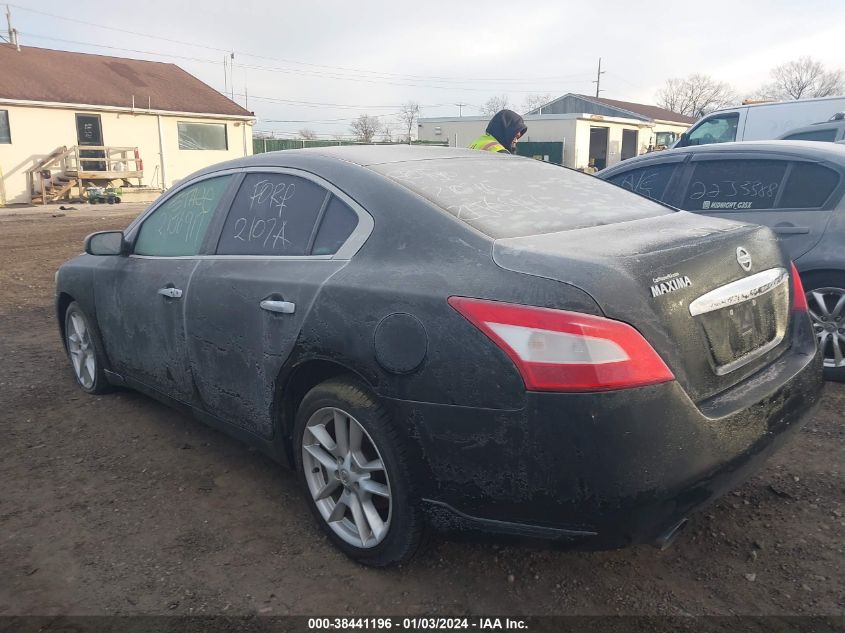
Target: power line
119 48
373 116
340 77
319 104
627 81
305 73
277 100
88 23
342 69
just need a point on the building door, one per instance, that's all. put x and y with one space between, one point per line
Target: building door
598 146
89 132
629 144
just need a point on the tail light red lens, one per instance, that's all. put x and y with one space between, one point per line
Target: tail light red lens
556 350
799 299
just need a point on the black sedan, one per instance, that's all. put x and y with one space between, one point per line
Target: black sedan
449 339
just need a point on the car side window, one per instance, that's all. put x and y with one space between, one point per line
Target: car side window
649 181
716 129
808 186
733 185
272 214
338 223
178 226
825 135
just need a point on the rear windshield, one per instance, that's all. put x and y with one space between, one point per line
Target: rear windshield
515 197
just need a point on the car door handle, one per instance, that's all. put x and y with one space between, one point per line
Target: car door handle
285 307
173 293
791 230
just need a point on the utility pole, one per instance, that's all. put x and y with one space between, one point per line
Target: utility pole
225 76
598 79
461 108
13 33
232 74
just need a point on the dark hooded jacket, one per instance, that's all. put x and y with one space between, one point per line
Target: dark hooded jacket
504 126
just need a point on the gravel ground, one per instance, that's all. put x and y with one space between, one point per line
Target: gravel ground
119 505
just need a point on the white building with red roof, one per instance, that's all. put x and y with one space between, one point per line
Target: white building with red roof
69 120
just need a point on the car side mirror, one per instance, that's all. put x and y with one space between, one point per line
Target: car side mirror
683 140
105 243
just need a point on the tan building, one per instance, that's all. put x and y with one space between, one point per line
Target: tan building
575 130
72 120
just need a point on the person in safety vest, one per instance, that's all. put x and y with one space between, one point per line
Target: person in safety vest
503 131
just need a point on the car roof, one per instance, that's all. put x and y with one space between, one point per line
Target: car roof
363 155
811 150
764 104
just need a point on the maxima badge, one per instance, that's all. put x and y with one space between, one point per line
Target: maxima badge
669 283
743 258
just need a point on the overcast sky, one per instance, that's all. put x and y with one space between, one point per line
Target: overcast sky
377 55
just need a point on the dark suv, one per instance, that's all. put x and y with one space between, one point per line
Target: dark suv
794 187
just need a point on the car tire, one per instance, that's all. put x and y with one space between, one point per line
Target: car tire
85 351
824 292
358 484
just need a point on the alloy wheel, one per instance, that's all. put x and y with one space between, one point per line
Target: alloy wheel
346 477
81 349
827 309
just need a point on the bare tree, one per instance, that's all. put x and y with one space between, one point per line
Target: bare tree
386 133
695 95
408 115
534 101
673 96
365 128
308 134
494 104
803 78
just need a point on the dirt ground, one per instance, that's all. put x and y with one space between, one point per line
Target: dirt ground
118 505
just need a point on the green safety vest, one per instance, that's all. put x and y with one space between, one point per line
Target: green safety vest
488 143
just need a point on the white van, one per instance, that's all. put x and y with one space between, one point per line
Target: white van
759 121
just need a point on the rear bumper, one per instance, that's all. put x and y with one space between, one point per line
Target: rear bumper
604 469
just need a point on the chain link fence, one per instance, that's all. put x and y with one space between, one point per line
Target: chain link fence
262 145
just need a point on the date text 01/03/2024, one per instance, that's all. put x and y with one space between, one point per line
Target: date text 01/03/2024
416 623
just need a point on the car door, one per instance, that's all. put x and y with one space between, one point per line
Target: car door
792 197
717 128
655 179
140 298
284 236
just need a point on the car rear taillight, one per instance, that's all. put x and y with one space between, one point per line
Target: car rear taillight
556 350
799 299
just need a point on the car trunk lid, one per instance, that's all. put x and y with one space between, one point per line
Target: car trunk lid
681 280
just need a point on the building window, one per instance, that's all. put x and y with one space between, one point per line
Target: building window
5 133
202 136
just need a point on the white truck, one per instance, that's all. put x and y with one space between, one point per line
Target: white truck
759 121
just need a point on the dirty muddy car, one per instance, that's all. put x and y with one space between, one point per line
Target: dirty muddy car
440 338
